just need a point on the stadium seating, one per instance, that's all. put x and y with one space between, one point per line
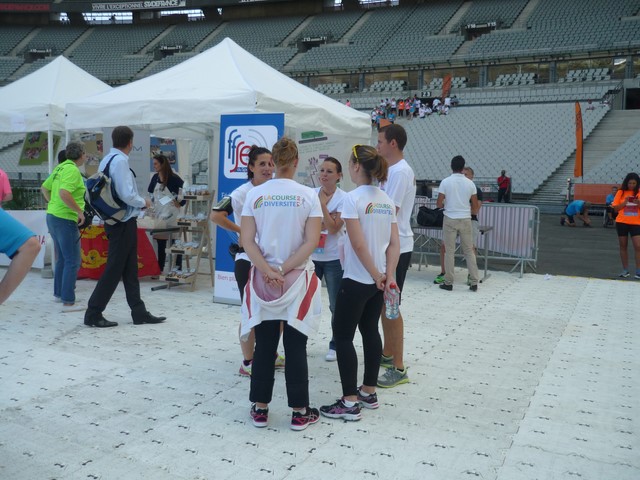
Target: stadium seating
529 141
332 25
189 34
8 65
587 75
11 36
55 38
613 168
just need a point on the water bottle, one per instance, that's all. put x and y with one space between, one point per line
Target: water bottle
392 302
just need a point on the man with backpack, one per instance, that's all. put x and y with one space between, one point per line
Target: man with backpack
122 259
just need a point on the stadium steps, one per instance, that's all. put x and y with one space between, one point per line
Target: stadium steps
463 50
18 50
455 20
149 47
69 51
292 38
356 26
520 23
614 130
213 35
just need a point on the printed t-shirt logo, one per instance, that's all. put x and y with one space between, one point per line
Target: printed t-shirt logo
278 200
378 208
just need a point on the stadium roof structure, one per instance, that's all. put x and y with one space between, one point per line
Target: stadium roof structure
187 100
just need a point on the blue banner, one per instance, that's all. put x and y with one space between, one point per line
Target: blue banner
237 134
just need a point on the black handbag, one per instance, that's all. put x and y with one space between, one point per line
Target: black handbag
430 217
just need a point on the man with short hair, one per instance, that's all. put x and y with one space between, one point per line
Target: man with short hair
504 187
458 196
401 188
122 259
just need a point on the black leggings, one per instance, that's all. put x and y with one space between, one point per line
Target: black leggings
241 270
162 254
296 371
357 305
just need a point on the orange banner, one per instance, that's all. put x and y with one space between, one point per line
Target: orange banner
577 169
446 86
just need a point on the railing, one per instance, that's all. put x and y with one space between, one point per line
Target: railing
513 237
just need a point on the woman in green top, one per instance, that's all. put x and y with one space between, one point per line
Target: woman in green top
64 190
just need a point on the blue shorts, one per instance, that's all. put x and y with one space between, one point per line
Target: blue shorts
13 234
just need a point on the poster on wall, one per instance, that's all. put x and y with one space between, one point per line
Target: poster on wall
237 134
313 148
35 149
94 148
166 147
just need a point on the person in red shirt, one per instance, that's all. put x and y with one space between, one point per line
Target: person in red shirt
626 205
504 187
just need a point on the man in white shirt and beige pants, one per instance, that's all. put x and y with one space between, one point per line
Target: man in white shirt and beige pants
458 195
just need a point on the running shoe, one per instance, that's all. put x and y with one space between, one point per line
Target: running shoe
259 416
370 401
637 276
245 370
340 410
301 420
392 377
439 279
624 274
386 362
279 361
331 355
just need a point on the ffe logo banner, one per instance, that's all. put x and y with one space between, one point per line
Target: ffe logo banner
237 134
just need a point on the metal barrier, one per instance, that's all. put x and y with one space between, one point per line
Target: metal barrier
514 233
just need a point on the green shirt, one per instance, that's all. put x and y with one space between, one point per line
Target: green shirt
65 176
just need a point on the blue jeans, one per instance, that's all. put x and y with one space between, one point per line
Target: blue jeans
332 271
66 243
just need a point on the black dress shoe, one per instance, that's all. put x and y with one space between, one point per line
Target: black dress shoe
446 287
148 318
473 288
99 322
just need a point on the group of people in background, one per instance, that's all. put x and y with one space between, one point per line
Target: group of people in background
410 108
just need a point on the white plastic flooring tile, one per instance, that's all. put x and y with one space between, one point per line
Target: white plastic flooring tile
533 463
489 372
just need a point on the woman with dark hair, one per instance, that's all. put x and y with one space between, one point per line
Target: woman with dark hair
626 205
64 189
165 179
280 229
326 256
259 170
370 260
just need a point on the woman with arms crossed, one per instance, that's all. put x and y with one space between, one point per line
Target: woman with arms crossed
326 257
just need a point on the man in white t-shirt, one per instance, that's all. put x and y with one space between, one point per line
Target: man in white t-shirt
401 188
458 195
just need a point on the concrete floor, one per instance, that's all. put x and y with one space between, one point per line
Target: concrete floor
530 378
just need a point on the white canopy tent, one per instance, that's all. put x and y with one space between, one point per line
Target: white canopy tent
36 102
186 101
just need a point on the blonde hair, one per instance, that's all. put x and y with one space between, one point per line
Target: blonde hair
374 164
284 152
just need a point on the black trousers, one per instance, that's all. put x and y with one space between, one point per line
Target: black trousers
296 370
502 195
122 264
162 254
357 305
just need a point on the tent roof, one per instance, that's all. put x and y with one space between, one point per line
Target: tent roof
37 101
221 80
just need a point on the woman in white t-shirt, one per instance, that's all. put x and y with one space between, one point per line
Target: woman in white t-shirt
326 256
259 170
280 229
370 260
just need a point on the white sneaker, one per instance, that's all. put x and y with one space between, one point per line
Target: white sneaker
331 356
75 307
